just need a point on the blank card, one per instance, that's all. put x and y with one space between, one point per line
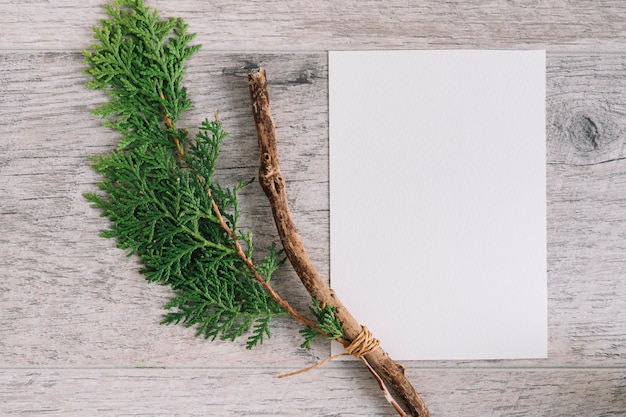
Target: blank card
438 200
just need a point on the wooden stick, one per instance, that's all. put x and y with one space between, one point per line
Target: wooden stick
273 185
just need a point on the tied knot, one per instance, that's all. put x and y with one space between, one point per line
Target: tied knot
364 343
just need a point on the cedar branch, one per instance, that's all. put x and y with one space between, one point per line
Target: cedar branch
273 184
239 250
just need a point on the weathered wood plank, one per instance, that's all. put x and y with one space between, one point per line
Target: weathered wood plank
70 300
72 297
51 232
340 391
586 132
331 24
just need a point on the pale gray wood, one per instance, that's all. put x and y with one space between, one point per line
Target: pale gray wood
256 392
586 132
71 300
339 24
66 287
78 324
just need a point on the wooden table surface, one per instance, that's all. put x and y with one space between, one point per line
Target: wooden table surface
79 327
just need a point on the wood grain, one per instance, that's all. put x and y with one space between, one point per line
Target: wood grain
224 25
223 392
79 325
51 233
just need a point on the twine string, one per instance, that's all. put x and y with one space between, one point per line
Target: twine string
363 344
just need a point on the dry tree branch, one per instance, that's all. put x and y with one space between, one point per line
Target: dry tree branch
273 184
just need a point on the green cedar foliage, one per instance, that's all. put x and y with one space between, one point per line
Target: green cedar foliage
327 321
159 197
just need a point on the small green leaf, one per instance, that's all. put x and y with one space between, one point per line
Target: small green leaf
327 322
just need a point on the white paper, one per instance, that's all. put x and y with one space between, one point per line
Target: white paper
438 200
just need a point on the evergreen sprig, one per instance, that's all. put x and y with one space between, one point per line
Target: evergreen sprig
157 187
327 321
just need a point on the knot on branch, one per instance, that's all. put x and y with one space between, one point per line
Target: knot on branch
363 344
